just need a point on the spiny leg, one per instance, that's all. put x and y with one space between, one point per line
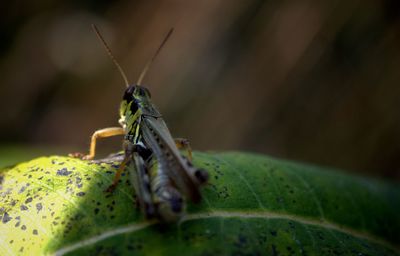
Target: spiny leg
185 145
103 133
117 176
132 151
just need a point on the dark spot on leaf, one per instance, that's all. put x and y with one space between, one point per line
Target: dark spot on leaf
21 190
28 200
39 206
17 224
96 211
35 232
23 227
80 194
242 239
23 207
11 241
63 172
6 218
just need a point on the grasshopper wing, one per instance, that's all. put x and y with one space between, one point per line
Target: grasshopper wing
140 179
158 138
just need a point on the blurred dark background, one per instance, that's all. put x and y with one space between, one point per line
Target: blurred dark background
313 81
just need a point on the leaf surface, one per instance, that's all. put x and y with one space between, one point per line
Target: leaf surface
252 205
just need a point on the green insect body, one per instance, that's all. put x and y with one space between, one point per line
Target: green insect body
162 177
168 172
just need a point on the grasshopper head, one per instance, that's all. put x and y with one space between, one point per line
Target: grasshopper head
135 98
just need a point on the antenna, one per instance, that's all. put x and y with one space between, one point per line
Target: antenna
110 54
148 64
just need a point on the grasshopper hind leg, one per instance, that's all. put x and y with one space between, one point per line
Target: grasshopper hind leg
140 178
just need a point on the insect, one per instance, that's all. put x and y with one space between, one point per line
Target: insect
162 177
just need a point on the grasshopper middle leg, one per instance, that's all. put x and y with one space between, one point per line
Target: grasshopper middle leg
185 145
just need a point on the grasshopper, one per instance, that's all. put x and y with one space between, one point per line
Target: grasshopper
162 177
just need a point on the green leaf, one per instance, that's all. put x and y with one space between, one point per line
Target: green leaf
252 205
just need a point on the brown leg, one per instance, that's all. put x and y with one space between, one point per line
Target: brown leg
117 176
103 133
185 145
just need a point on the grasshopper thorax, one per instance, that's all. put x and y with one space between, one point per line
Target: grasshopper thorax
136 102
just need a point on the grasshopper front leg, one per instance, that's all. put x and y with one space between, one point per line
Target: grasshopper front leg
103 133
132 152
134 162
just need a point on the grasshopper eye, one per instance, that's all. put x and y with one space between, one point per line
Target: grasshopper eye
128 94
